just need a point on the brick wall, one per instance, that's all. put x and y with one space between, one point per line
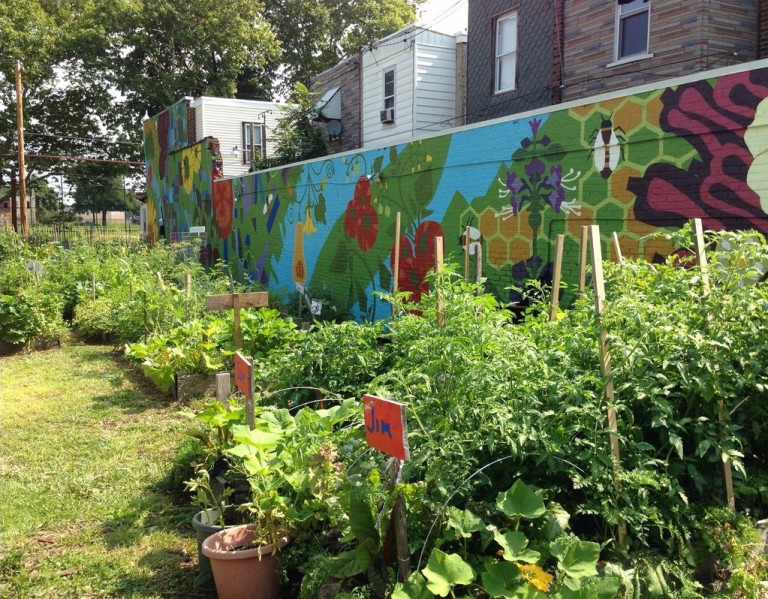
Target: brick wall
762 34
346 75
558 52
686 36
534 58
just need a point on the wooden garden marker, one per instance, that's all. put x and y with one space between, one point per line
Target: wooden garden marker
396 265
223 387
438 270
466 254
598 284
235 301
701 258
244 382
554 300
583 258
188 278
387 430
617 248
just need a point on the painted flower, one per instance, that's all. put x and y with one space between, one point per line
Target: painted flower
515 185
360 220
223 206
416 259
535 169
555 183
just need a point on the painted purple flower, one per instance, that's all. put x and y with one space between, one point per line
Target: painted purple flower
554 182
535 169
515 185
535 124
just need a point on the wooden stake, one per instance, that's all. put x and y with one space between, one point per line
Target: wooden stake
701 258
438 270
236 308
188 278
130 290
605 355
401 529
466 254
160 281
583 258
223 387
22 170
93 284
478 262
396 265
617 248
555 299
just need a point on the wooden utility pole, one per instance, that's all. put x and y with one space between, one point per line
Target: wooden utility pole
14 203
22 171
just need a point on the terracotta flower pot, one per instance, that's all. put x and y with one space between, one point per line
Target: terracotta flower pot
242 570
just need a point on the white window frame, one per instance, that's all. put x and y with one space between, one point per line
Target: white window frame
250 147
620 17
502 58
388 100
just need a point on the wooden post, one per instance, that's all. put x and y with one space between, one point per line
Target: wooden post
701 258
188 278
466 254
438 270
555 299
583 258
598 284
401 530
396 265
93 284
130 290
236 309
617 247
22 169
478 262
235 301
223 387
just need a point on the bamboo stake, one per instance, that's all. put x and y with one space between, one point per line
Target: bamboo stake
583 258
617 248
555 299
598 284
438 270
188 278
236 308
396 265
466 254
701 258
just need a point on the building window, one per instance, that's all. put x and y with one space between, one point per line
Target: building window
389 88
506 53
632 28
253 142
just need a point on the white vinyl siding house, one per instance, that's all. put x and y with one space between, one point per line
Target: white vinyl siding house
232 121
424 99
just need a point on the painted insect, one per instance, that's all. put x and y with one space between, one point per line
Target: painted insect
606 149
475 238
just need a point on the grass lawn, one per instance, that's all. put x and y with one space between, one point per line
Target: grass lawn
85 442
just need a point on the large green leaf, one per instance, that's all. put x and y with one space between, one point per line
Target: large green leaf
361 519
352 563
464 522
444 571
514 544
502 579
576 558
413 588
597 588
520 501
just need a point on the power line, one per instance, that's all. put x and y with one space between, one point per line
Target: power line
59 136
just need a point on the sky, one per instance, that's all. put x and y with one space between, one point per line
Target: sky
446 16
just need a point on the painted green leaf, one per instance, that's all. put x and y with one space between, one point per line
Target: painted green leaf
385 277
520 502
464 522
502 579
413 588
320 209
514 545
444 571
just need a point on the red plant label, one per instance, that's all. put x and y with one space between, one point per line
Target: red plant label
243 374
385 426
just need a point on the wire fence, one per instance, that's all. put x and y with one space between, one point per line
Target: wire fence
69 234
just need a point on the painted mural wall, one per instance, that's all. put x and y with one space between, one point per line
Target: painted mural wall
632 164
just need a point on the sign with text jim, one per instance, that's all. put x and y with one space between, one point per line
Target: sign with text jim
385 426
244 375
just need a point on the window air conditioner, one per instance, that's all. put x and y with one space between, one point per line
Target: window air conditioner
387 115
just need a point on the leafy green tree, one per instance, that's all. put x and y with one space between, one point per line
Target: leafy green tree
99 189
315 35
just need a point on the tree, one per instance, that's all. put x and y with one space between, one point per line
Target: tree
99 189
296 138
316 34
